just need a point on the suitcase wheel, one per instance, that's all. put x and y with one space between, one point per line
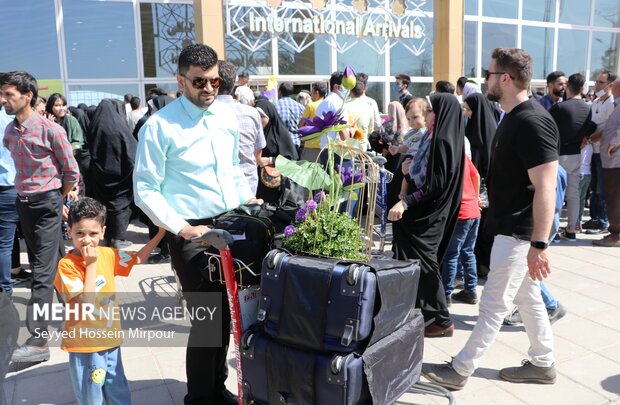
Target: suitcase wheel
353 273
336 365
273 258
246 339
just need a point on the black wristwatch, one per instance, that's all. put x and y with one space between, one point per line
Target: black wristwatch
539 244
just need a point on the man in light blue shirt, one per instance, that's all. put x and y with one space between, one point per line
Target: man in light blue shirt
8 210
186 173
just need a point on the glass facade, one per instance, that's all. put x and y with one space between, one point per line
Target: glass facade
129 46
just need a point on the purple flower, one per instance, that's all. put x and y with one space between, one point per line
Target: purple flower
289 230
318 124
301 214
320 196
311 205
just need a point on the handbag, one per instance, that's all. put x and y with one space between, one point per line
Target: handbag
270 176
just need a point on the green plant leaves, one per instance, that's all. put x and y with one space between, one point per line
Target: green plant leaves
307 174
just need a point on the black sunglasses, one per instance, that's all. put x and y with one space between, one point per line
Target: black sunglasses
200 82
487 74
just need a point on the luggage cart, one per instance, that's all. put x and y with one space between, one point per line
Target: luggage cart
381 208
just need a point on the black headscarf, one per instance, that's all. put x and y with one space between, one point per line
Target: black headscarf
278 139
81 117
480 131
425 230
113 152
159 102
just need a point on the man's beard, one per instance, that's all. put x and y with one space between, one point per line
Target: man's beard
494 93
558 93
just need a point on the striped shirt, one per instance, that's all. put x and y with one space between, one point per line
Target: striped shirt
42 154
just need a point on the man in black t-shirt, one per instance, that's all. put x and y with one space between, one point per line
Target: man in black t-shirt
574 120
522 191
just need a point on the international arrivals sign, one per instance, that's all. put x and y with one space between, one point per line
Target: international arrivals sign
299 24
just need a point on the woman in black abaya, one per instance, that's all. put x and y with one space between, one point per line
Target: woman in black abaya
113 152
480 130
423 230
279 142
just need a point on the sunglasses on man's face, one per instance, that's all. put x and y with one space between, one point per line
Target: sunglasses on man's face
201 82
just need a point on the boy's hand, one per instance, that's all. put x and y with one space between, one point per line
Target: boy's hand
89 253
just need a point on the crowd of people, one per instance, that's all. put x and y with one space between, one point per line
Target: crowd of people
479 181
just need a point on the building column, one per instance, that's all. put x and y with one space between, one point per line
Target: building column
448 40
209 20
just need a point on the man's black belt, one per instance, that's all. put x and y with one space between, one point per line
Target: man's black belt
37 197
5 188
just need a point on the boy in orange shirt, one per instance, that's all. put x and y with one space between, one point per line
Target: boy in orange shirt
85 279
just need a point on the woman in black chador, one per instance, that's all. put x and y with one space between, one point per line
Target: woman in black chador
425 219
113 152
480 130
278 141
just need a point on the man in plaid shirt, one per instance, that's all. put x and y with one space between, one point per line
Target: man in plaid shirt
290 112
46 171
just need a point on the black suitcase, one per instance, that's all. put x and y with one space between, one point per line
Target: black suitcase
277 374
254 237
329 305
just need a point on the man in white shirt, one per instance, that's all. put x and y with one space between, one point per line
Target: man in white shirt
602 108
243 92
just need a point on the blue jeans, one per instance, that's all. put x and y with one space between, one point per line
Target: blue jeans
8 224
461 249
598 210
550 302
98 378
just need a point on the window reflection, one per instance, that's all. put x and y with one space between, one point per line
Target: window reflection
363 58
403 60
375 90
92 94
99 39
576 11
169 88
571 54
471 7
470 44
257 62
539 10
29 29
496 36
607 13
314 60
500 8
166 30
605 49
538 41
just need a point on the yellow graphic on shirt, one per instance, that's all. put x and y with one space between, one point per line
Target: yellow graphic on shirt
98 376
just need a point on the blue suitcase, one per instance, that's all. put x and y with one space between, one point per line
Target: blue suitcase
331 306
277 374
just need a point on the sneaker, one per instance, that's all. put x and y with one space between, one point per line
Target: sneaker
608 241
556 314
158 258
591 224
444 375
596 231
22 275
557 238
569 236
466 297
529 373
435 331
513 318
31 354
121 244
